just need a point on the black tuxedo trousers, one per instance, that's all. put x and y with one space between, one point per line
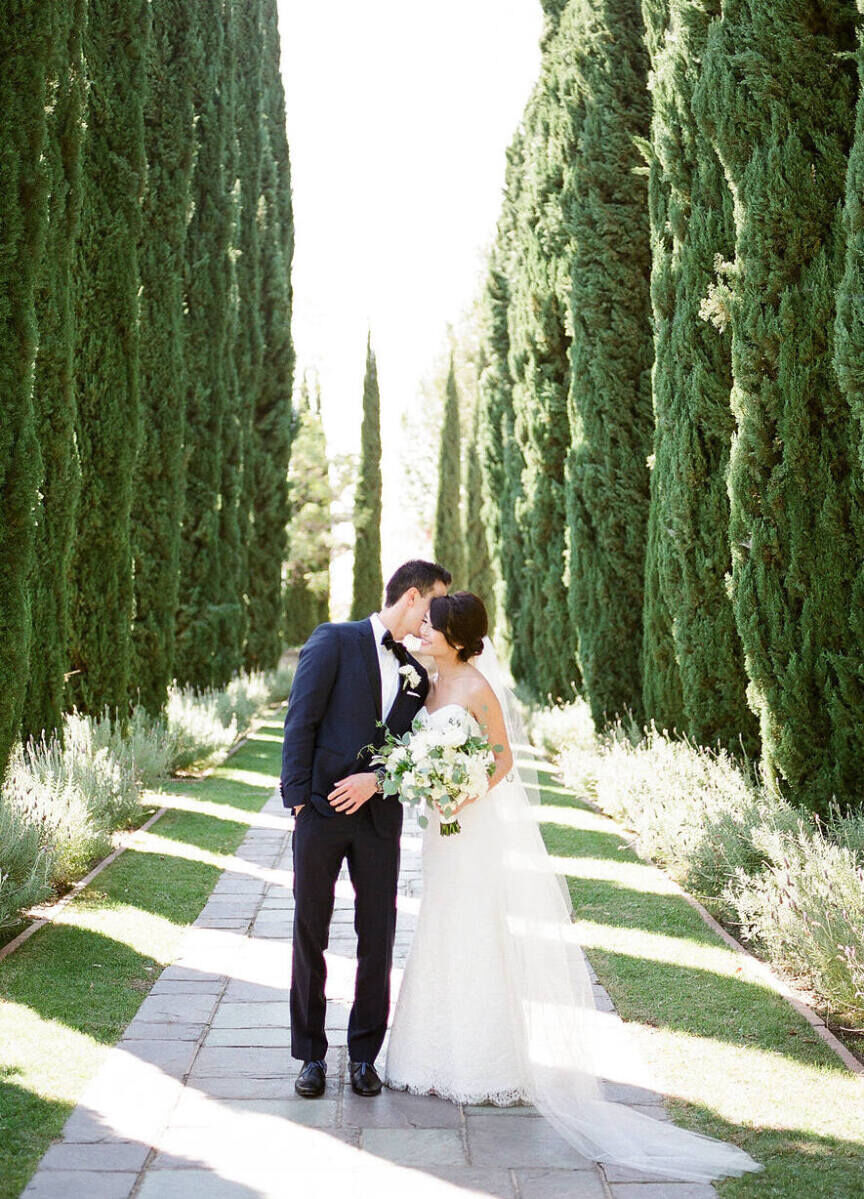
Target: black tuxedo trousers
320 846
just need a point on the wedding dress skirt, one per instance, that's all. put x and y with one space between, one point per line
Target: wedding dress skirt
496 1003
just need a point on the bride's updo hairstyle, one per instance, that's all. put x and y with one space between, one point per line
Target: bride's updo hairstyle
462 618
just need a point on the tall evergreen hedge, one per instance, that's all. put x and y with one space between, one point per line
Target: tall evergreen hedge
691 224
273 424
54 384
25 54
500 454
479 571
849 358
307 565
662 694
159 477
776 98
145 256
230 615
601 68
108 385
249 345
208 281
368 580
449 543
538 320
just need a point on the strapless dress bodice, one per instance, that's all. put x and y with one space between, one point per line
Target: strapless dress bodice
445 714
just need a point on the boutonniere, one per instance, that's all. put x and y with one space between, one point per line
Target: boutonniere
410 677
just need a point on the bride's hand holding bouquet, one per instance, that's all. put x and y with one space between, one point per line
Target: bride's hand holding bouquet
441 767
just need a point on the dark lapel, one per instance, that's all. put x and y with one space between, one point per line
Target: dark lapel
370 658
397 720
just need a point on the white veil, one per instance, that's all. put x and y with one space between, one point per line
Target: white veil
565 1040
523 751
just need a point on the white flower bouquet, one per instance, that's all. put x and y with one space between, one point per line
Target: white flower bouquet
438 767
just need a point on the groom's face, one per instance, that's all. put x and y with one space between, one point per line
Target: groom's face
419 606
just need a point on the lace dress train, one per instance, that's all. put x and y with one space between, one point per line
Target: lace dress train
496 1003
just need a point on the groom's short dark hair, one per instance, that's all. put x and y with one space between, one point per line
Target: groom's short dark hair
416 573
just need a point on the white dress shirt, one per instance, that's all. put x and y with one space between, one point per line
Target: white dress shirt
389 664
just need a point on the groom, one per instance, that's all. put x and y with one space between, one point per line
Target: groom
349 677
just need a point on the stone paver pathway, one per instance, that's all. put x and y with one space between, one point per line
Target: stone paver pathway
197 1101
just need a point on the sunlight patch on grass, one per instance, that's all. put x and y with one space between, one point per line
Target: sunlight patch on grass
221 811
753 1087
579 818
658 947
251 778
55 1076
635 875
562 793
154 843
125 924
151 843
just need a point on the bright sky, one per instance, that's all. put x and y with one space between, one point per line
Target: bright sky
399 115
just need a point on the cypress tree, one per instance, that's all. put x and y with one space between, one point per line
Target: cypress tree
249 345
278 336
600 63
231 549
159 478
208 307
307 567
54 387
479 573
849 331
553 11
25 52
776 97
107 362
539 365
848 360
691 224
501 457
449 544
662 695
368 580
273 426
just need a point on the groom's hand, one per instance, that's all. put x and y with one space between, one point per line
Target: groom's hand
350 793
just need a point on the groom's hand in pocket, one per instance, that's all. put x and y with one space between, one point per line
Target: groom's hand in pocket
350 793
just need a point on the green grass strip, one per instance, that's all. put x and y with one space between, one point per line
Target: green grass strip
68 993
737 1060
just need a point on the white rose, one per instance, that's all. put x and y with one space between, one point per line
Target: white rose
420 746
453 734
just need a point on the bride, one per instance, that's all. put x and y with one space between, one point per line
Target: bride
496 1004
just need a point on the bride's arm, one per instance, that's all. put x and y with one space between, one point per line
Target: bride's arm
486 710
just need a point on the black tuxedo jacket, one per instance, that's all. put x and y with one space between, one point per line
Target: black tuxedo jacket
333 714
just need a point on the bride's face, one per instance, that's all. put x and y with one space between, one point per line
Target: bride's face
433 642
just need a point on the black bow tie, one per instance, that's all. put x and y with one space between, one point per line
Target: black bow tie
396 647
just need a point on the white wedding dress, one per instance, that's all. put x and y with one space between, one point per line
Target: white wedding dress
496 1003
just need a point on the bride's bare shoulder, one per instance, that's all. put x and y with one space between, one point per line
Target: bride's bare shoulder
477 687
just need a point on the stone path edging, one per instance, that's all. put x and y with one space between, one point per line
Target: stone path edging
49 914
764 972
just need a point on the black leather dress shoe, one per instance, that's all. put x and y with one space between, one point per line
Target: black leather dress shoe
364 1080
311 1080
